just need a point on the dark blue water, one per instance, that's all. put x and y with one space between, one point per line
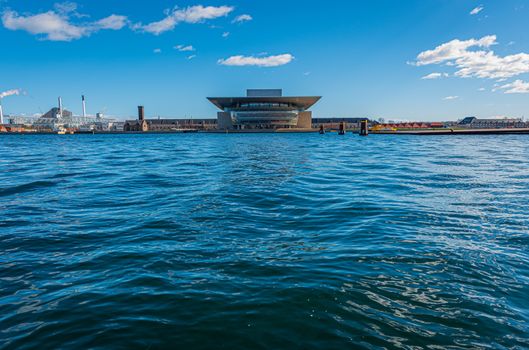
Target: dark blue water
264 241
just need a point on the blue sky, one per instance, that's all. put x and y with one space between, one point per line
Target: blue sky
408 60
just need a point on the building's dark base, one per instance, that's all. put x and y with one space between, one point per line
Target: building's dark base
262 131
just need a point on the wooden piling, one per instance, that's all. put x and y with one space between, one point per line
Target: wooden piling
342 128
364 128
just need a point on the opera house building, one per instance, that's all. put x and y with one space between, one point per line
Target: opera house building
264 109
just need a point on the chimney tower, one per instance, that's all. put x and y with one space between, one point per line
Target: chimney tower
60 107
1 113
141 113
84 106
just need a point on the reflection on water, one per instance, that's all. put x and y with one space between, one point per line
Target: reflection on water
264 241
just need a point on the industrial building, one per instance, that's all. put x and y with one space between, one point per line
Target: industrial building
59 119
264 110
167 125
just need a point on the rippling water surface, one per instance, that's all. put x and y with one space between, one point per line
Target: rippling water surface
264 241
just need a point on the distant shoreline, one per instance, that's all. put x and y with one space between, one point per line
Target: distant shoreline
285 131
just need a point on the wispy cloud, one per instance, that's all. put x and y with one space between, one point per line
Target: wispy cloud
475 58
68 8
242 19
450 98
10 93
477 10
516 87
184 48
192 14
157 50
435 76
58 25
64 23
191 57
225 34
112 22
268 61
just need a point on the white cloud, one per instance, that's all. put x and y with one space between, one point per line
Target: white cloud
9 93
482 89
184 48
157 50
477 10
56 26
242 18
112 22
192 14
453 50
268 61
196 14
482 63
225 34
191 57
516 87
435 76
450 98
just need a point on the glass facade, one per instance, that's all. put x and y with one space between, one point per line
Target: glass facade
264 119
264 105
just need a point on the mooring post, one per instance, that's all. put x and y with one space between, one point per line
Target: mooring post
342 128
364 128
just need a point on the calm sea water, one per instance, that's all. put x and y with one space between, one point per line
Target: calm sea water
264 241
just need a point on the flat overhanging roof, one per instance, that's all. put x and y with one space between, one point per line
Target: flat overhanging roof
303 103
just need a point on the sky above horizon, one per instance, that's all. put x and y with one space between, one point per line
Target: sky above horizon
398 60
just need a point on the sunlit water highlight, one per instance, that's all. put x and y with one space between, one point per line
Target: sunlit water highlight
264 241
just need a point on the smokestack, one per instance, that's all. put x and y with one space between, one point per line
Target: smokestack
60 107
1 113
141 113
84 106
5 94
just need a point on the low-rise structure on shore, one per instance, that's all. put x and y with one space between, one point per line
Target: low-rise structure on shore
167 125
493 123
